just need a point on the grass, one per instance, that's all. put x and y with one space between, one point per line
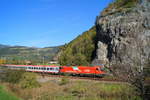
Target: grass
78 90
4 95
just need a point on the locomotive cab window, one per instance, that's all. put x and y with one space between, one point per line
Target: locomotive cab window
97 69
75 68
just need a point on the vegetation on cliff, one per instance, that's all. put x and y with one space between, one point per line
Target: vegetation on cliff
80 50
125 3
119 6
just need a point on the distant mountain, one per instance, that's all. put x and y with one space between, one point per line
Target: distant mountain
21 53
3 46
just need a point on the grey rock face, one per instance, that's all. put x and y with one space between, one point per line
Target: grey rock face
124 36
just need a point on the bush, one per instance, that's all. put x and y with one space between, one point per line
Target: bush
12 76
28 80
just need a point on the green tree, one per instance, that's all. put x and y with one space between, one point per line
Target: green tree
80 50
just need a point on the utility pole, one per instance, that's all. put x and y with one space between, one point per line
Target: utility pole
43 60
38 56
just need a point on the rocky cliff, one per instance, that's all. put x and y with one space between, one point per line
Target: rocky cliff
124 35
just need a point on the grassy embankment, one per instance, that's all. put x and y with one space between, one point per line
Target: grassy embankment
65 89
5 95
26 86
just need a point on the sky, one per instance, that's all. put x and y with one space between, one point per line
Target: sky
44 23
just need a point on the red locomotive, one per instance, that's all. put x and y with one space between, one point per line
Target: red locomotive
83 70
73 70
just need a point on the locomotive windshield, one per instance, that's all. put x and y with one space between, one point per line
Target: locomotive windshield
97 68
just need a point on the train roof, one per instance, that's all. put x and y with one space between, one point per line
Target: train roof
52 66
33 65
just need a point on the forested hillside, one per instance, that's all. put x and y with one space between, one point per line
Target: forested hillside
21 54
80 50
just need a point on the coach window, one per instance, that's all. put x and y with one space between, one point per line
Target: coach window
57 68
47 68
44 68
51 68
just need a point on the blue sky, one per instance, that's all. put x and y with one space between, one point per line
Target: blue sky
42 23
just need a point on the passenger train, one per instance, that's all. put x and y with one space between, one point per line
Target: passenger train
72 70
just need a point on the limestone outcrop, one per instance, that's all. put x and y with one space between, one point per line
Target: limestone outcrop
124 35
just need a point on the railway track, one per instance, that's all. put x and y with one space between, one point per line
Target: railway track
82 78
